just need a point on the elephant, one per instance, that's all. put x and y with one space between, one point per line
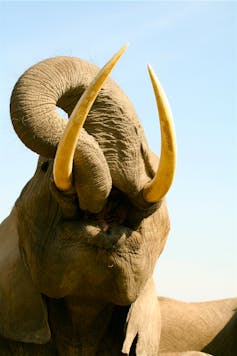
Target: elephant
78 250
207 326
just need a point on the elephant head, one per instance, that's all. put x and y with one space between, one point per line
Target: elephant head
92 221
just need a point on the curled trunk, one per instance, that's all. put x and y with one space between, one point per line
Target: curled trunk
112 122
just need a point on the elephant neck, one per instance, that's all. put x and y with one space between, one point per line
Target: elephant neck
86 328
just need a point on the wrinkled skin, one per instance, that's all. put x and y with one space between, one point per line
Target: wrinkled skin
65 240
69 256
75 279
78 275
210 327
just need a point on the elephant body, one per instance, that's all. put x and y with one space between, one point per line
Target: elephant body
66 341
208 326
78 250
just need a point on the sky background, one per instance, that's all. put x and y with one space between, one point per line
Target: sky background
192 48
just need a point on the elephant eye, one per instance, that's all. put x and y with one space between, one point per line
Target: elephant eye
45 166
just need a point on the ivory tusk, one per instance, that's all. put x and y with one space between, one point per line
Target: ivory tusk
156 189
63 164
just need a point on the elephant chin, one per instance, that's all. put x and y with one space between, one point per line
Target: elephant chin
107 255
114 256
98 256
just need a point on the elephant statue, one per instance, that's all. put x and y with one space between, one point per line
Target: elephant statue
78 250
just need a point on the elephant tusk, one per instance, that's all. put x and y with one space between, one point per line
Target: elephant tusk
62 170
156 189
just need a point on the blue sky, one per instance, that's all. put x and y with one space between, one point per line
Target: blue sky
192 48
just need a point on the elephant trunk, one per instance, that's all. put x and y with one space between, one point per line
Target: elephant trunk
36 121
33 104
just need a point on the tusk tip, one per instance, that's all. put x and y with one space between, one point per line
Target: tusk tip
152 74
150 70
123 49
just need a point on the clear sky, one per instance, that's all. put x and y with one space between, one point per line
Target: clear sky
192 48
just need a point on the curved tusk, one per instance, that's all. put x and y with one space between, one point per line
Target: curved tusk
62 170
156 189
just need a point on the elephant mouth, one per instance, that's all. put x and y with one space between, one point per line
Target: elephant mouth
110 229
114 212
113 240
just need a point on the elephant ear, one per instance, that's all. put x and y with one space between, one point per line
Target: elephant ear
144 323
23 314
